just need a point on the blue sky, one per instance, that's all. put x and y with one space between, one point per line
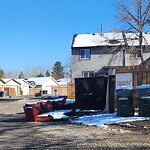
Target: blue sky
40 32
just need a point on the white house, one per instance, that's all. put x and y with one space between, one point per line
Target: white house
24 86
45 83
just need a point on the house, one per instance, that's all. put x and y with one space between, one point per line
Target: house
44 83
12 87
24 85
2 85
92 53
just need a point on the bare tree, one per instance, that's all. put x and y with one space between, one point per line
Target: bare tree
135 15
11 73
1 73
34 71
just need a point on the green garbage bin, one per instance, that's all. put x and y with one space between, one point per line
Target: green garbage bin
124 101
143 96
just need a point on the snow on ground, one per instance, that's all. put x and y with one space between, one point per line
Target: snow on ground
103 120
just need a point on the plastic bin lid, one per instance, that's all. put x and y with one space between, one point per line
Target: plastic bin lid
129 87
143 86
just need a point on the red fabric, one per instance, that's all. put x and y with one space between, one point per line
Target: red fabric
33 110
31 114
43 106
37 106
71 106
46 106
49 106
58 105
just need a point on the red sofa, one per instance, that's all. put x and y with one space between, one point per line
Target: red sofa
41 111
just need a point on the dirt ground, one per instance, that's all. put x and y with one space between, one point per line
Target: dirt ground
17 134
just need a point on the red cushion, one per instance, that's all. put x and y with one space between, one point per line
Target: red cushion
46 106
43 106
30 113
35 105
49 106
59 104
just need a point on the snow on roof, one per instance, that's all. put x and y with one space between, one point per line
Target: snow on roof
62 81
108 39
21 81
9 79
41 80
6 79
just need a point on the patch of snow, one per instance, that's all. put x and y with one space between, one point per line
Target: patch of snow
102 120
57 114
69 101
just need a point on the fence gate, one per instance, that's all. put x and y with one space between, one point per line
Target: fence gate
90 93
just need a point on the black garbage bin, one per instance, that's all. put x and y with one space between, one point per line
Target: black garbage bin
1 93
143 96
124 101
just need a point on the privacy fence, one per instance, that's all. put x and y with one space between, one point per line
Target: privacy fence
141 74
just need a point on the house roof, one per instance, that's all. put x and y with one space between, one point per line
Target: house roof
108 39
41 80
2 81
6 80
22 80
62 81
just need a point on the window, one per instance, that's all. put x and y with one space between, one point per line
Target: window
85 54
86 74
135 54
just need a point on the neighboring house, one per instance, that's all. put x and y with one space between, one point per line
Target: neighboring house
12 87
2 85
91 53
45 83
24 86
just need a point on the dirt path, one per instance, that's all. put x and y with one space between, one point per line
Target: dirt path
16 134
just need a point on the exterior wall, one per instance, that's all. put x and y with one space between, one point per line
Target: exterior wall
1 86
48 86
25 88
100 57
97 61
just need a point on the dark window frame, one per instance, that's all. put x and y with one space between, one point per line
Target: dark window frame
87 74
85 54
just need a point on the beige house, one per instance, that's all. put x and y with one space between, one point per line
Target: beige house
12 87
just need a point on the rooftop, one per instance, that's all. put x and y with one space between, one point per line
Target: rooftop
108 39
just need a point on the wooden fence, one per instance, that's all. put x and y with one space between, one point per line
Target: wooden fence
71 90
32 91
141 74
62 90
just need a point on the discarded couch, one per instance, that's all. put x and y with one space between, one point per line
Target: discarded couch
49 109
